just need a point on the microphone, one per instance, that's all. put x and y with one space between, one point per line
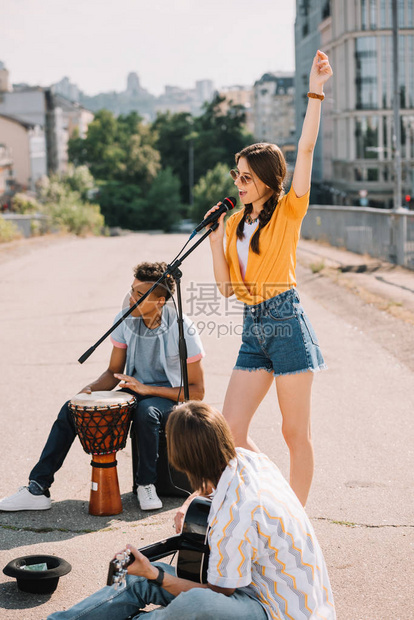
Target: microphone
227 205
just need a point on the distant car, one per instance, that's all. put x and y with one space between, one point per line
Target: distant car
185 226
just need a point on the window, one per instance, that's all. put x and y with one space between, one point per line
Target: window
401 13
384 15
410 14
366 135
410 85
401 70
326 11
385 137
386 44
366 72
363 14
373 14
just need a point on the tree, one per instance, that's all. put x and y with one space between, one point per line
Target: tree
164 202
126 205
219 136
215 185
122 204
214 136
142 162
118 149
137 163
173 132
101 150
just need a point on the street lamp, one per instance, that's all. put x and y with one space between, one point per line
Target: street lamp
396 136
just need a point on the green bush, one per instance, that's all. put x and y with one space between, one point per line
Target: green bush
21 203
64 201
71 215
79 179
8 231
51 189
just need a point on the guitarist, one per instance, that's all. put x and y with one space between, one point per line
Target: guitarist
265 561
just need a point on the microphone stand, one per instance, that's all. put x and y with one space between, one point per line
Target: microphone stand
172 271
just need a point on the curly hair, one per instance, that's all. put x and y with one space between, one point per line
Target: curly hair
151 272
268 163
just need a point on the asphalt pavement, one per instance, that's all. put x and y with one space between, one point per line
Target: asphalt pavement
59 295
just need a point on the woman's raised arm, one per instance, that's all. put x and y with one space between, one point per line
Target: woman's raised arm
320 73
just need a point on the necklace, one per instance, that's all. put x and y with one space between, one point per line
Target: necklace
250 220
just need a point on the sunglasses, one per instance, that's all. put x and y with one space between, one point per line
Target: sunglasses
244 180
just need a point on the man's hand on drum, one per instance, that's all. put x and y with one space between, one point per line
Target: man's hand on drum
132 384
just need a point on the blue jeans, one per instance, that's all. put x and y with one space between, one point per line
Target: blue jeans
278 337
196 604
149 415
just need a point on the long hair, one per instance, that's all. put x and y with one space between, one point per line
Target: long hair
199 443
268 163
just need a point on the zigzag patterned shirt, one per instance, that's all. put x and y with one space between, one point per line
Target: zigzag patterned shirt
262 541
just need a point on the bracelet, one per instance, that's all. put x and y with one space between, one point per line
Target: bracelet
316 96
159 578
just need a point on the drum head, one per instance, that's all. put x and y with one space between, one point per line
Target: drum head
101 399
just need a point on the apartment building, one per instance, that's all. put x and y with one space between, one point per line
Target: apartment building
26 145
55 115
274 112
237 95
7 180
354 157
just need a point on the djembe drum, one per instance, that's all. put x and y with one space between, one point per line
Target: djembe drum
102 422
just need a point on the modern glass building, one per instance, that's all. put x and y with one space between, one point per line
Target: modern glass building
354 160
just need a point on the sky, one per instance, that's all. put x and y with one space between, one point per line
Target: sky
96 43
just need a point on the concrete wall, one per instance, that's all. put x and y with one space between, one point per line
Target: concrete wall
380 233
27 224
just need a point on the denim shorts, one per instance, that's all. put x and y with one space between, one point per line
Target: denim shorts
278 337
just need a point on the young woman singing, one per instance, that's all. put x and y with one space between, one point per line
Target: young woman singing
258 266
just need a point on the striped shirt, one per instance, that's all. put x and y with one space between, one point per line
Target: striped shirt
262 541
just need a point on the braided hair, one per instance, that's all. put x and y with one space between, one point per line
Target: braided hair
268 163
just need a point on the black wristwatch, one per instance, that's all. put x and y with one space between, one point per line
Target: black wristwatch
159 578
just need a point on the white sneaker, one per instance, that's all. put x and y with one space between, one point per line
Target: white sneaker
148 498
24 500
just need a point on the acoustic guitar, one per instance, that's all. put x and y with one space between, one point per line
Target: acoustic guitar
191 544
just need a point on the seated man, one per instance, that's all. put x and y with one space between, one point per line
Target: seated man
265 561
145 346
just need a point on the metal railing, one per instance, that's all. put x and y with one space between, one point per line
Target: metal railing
380 233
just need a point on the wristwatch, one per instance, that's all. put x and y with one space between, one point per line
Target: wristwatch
160 577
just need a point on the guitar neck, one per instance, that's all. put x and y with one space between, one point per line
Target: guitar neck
193 557
161 549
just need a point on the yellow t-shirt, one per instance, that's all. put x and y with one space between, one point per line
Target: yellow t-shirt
273 270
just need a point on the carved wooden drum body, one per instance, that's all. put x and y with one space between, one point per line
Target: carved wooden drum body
102 421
